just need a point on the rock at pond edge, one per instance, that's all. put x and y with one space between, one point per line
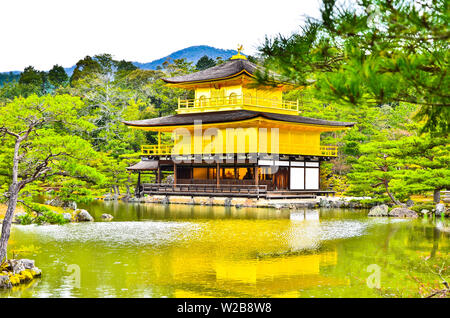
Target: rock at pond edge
403 213
107 217
83 216
379 210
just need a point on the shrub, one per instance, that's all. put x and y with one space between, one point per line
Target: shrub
50 217
25 219
419 207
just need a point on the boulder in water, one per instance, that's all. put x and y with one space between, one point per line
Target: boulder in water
379 210
440 209
5 281
403 213
83 216
107 217
27 263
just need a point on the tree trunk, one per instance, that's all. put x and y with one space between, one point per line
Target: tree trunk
437 196
6 226
128 184
397 202
14 189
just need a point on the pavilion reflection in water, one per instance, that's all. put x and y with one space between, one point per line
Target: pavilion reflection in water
233 265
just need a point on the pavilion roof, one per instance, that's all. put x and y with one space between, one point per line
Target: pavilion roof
225 70
230 116
145 165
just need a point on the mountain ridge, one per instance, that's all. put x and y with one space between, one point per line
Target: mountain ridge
191 54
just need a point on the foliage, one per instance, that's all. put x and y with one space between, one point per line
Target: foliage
25 219
73 190
44 218
50 217
372 53
32 81
426 163
46 132
8 77
57 76
375 169
402 167
107 92
204 62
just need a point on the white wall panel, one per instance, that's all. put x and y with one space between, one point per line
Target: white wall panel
265 162
297 178
312 179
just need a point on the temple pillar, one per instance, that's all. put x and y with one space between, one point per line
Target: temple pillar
218 174
158 175
174 173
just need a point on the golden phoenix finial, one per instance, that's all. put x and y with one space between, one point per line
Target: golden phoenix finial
239 55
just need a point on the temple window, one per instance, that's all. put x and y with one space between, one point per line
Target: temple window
233 98
202 101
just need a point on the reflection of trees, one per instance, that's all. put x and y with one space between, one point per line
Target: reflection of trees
436 236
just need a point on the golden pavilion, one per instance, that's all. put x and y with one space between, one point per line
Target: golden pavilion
234 139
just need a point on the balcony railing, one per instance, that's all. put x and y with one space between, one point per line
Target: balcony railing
236 102
331 151
167 150
157 150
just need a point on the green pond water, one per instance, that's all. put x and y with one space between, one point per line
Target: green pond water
152 250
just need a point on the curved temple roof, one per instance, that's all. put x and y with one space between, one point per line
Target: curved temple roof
145 165
229 116
225 70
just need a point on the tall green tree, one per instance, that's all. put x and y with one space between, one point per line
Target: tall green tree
38 149
204 62
401 166
32 81
375 169
57 76
30 76
85 67
426 165
372 52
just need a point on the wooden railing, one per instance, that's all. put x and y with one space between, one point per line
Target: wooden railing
331 151
205 189
236 100
157 150
167 150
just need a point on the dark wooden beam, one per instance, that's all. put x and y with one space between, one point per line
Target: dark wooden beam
158 175
218 174
174 173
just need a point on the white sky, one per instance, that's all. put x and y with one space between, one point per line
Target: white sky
47 32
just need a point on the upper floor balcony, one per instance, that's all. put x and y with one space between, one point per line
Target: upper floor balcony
234 101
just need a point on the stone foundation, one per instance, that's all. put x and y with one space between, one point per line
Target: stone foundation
327 202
